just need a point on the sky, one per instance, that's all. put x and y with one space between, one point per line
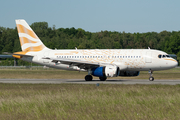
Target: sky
95 15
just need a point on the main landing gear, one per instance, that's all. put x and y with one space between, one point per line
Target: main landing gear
89 78
102 78
151 78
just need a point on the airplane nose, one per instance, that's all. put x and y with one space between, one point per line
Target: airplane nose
175 63
172 63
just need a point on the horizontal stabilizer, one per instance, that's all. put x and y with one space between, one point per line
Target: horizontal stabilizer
20 55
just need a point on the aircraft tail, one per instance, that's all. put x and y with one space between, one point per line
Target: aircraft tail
28 39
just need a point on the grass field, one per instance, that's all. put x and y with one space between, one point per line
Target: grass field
79 102
62 74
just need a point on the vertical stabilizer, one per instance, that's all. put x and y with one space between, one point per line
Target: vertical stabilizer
28 39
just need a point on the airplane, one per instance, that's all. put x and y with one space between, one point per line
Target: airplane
102 63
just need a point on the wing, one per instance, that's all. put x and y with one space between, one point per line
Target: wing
80 63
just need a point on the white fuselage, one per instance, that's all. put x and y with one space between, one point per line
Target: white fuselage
101 63
125 59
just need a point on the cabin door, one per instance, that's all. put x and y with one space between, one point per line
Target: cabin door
148 57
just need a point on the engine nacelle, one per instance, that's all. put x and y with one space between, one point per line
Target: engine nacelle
129 73
107 71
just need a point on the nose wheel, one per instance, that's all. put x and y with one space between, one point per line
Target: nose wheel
151 78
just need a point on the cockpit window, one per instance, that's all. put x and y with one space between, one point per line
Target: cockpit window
159 56
167 56
163 56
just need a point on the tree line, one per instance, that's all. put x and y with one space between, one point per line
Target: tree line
69 38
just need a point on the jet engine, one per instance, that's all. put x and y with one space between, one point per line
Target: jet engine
129 73
106 71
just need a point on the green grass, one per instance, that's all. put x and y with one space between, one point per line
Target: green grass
62 74
79 102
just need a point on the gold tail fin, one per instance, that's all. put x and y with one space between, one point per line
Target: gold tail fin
28 39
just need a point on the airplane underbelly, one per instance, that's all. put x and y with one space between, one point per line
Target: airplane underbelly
136 65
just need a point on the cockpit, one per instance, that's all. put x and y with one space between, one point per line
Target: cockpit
163 56
168 56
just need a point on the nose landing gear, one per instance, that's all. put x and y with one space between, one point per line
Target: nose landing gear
151 78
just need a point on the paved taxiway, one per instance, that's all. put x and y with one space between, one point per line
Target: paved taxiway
81 81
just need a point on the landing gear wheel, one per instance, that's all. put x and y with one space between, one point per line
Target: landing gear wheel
102 78
88 78
151 78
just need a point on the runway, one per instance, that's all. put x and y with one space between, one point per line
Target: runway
82 81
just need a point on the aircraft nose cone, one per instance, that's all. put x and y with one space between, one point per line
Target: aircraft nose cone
175 63
171 63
